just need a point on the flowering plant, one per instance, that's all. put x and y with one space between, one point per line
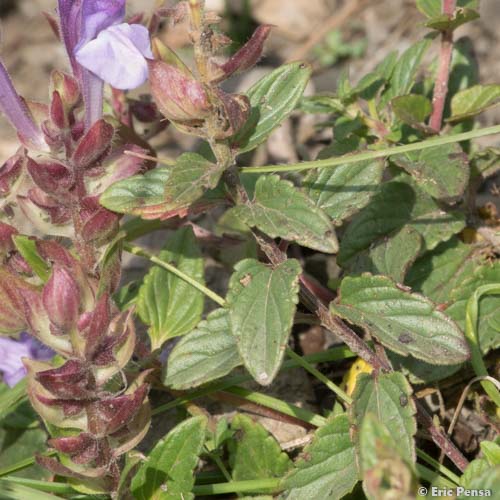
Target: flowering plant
397 183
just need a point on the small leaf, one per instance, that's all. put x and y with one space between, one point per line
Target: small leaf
415 208
487 480
279 209
405 322
443 171
405 71
254 453
205 354
262 303
474 100
272 99
432 8
386 474
328 468
343 190
191 176
168 472
27 248
444 22
167 303
387 396
491 451
476 468
412 109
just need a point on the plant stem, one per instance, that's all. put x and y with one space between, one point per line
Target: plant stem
432 477
443 72
23 464
372 155
49 487
169 267
322 378
439 467
256 485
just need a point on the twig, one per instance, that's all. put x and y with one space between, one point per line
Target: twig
349 8
443 72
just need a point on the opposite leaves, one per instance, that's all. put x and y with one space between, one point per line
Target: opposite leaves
405 322
167 303
167 474
279 209
262 303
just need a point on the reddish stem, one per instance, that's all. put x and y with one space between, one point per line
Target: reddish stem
443 72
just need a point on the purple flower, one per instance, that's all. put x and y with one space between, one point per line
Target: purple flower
18 114
11 354
101 49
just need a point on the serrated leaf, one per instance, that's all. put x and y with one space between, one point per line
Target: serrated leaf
27 248
168 472
412 109
279 209
443 171
476 468
391 256
487 480
343 190
386 474
272 99
405 70
415 208
388 397
254 453
437 273
328 469
262 303
474 100
405 322
190 177
205 354
442 22
169 305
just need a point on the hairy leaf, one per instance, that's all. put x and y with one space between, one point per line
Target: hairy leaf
443 22
412 109
262 304
168 472
405 322
272 99
415 208
279 209
166 302
328 468
474 100
343 190
388 397
254 453
205 354
432 8
443 171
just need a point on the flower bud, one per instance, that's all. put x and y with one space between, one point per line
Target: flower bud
57 111
61 299
82 449
12 289
6 242
100 224
235 110
67 88
10 171
94 145
50 177
179 97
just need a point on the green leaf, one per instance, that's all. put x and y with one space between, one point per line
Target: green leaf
487 480
328 469
207 353
442 22
432 8
437 273
391 256
476 468
272 99
262 303
254 453
474 100
190 177
321 104
405 71
443 171
168 472
491 451
27 248
279 209
415 208
412 109
10 490
12 397
405 322
343 190
387 396
386 474
166 302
